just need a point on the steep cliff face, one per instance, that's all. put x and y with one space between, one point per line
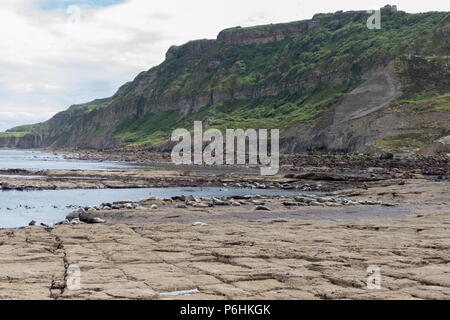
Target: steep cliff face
20 141
401 108
319 80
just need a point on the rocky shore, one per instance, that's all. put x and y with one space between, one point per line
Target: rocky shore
304 173
338 163
304 247
26 180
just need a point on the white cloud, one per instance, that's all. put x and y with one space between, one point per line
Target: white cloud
48 64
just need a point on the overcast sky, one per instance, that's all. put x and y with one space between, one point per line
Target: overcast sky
50 59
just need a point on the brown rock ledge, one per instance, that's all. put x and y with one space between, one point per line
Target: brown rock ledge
274 257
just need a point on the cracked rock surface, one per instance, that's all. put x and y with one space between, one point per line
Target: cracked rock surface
277 256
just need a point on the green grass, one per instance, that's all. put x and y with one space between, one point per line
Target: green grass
150 128
405 141
303 70
13 134
25 128
274 112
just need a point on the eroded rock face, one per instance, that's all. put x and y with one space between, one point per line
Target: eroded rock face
338 130
264 34
228 74
21 142
191 48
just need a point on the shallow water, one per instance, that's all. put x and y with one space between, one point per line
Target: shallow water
35 160
18 208
21 177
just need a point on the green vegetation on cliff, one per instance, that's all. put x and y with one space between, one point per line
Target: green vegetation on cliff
330 60
238 81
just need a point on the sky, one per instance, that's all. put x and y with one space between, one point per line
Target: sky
55 53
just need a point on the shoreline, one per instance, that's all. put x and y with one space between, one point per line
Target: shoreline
384 164
311 246
240 252
319 173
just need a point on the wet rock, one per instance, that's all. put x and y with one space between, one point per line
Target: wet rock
369 203
332 204
241 197
385 204
315 204
123 202
7 186
260 185
262 208
303 199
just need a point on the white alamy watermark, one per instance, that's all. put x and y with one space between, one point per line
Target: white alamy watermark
373 278
237 143
74 19
73 277
374 21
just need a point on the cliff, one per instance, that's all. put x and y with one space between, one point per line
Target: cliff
329 83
